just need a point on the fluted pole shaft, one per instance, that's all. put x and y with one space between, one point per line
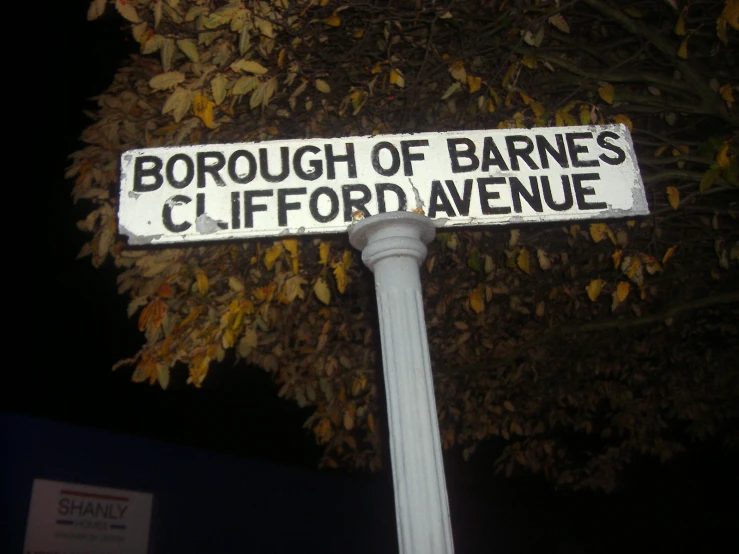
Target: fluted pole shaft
393 246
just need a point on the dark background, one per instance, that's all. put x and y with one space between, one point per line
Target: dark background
687 505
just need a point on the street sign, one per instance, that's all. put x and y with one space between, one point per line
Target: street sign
69 518
180 194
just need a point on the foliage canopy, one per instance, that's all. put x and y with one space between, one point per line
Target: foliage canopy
577 346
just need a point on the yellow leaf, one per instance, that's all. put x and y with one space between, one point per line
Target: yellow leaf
722 157
668 254
323 251
617 256
202 107
731 13
584 115
524 261
673 197
126 9
476 300
396 78
594 289
322 86
599 231
474 83
333 21
321 290
270 257
682 52
621 118
529 61
558 21
166 80
622 290
458 71
516 428
341 277
249 67
291 245
680 26
508 405
358 34
727 94
607 92
346 259
202 282
293 288
544 261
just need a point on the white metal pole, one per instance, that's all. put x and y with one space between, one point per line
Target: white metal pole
393 246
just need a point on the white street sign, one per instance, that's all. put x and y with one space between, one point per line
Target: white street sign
461 178
67 518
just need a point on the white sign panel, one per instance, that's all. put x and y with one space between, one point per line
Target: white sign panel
66 518
461 178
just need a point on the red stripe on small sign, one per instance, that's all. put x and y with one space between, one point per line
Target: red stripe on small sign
93 495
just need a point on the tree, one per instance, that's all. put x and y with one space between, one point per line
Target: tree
580 347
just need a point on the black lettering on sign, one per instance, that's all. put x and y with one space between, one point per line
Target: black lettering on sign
235 210
154 170
468 153
250 207
439 201
353 204
603 143
524 151
463 203
316 165
492 156
283 205
169 224
394 155
408 156
381 188
333 199
532 198
581 192
264 165
233 163
559 154
549 199
576 149
347 158
212 170
200 209
486 195
189 171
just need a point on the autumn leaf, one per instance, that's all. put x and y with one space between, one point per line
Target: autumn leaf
322 86
474 83
523 261
458 72
126 9
323 251
249 66
202 107
607 92
333 21
673 197
544 262
722 157
321 290
341 277
396 78
166 80
202 282
624 119
668 254
599 231
622 290
558 21
477 303
270 257
682 52
731 13
594 289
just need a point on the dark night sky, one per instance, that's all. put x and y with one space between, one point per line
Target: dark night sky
683 506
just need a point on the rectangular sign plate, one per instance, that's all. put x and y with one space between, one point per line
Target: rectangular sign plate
67 518
461 178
